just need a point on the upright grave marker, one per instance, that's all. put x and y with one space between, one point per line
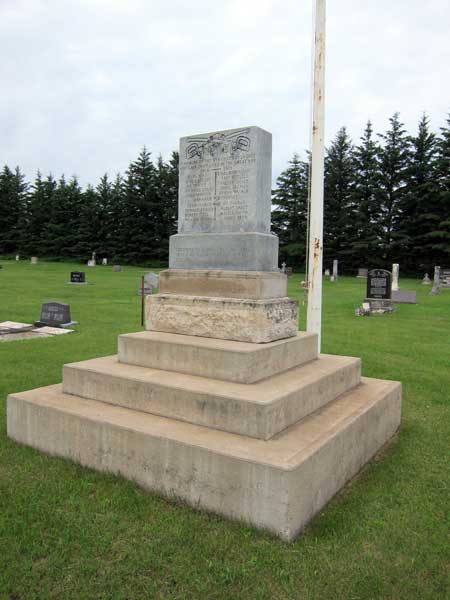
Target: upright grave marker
225 202
379 290
395 275
78 277
335 270
436 289
55 314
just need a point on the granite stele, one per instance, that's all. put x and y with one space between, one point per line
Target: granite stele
221 401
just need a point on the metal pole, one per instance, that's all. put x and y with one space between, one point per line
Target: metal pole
142 301
314 312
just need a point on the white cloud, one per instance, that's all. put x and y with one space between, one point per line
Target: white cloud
86 83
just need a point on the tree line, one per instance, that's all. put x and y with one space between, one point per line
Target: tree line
127 219
387 199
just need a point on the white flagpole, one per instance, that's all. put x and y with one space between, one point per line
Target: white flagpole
314 312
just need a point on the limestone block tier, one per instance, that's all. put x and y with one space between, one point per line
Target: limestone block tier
226 284
246 251
217 359
242 320
278 484
258 410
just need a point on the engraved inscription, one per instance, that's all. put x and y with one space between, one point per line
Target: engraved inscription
218 182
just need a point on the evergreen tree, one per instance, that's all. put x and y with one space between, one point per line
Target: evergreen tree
13 200
420 203
365 211
89 223
140 238
339 229
64 222
441 235
167 202
394 157
39 209
289 217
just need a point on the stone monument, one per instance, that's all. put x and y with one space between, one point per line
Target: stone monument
55 314
426 280
379 291
395 275
34 260
362 273
436 289
221 401
335 270
78 278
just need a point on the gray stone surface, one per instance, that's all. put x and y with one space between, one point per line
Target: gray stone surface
395 277
228 251
225 181
224 202
404 296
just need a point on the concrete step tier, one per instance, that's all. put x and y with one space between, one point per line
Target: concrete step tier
228 360
277 484
259 410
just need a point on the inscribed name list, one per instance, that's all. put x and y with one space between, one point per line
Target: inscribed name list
225 180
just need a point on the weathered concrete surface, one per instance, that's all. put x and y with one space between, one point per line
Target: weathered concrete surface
258 410
228 360
229 251
243 320
277 484
226 284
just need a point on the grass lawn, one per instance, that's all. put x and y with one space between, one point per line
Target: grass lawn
69 532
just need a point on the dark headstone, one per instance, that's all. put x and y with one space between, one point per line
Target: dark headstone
379 291
404 296
55 314
77 277
379 284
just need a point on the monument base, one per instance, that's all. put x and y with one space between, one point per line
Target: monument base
380 306
278 485
225 284
246 251
244 320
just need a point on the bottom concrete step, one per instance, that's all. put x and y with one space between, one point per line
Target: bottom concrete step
277 484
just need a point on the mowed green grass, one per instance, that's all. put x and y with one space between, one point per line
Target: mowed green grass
69 532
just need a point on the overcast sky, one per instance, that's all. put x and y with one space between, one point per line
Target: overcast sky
86 83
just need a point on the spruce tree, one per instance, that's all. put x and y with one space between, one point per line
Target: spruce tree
420 205
394 157
441 236
364 210
167 203
338 225
141 219
290 213
39 209
13 201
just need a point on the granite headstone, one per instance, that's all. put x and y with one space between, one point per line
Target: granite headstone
225 202
55 314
